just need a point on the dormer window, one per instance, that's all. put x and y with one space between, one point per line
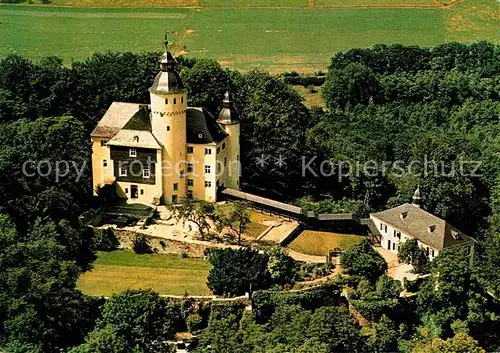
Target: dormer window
454 234
431 228
200 136
136 138
403 214
132 152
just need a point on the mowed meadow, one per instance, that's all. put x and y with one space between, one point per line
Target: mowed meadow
275 36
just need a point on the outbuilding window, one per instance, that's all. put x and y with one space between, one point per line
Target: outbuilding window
123 171
207 169
146 173
132 152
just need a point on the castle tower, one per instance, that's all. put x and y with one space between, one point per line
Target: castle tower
168 120
229 121
417 198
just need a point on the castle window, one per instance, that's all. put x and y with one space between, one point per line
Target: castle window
104 163
123 171
174 198
208 151
168 128
166 100
218 150
103 143
189 149
208 184
207 169
126 190
218 168
190 167
182 99
432 252
225 162
181 174
132 152
176 186
146 173
224 146
175 100
190 182
190 194
142 191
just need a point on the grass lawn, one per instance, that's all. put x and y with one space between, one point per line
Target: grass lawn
276 40
319 243
166 274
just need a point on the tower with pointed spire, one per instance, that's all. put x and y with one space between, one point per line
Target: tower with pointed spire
168 123
417 199
229 120
167 151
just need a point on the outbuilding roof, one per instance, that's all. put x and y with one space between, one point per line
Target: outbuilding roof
423 226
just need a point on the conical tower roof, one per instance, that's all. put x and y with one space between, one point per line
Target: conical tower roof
228 114
167 80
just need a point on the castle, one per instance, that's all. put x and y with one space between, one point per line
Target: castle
165 151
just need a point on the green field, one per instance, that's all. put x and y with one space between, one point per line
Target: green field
312 242
274 39
166 274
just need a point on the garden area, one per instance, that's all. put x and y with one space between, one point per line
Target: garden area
119 270
318 243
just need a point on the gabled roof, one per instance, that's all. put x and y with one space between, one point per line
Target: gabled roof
202 127
423 226
115 118
134 138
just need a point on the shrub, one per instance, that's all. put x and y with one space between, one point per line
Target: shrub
140 245
374 309
194 322
238 271
362 260
104 240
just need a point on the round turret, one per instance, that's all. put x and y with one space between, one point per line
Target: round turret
228 114
417 197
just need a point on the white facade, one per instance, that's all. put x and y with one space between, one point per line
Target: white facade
391 238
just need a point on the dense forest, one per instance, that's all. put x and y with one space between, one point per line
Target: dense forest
390 108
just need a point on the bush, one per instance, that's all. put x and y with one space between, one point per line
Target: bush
362 260
194 322
310 271
140 245
265 302
374 309
104 240
238 271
